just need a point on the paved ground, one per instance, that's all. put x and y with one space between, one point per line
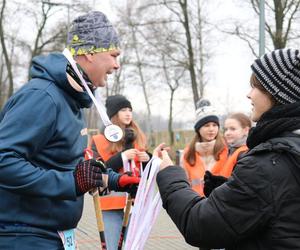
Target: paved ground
164 234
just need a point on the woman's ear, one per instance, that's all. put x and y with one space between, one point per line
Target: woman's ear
246 130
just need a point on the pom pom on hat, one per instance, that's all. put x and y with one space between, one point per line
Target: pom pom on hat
205 113
91 33
279 74
114 103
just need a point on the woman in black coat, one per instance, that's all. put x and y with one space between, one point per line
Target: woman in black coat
259 206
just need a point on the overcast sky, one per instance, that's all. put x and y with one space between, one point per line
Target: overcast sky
229 69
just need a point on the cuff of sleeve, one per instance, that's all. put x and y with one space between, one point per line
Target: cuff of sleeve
113 179
124 158
171 179
125 162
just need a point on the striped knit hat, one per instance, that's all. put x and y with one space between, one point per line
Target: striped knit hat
279 73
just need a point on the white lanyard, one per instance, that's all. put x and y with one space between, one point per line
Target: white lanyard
112 132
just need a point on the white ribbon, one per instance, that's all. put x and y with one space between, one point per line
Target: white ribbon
146 208
100 108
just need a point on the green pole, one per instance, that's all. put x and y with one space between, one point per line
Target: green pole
261 27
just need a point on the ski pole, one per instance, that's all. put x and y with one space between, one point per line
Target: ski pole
125 221
97 206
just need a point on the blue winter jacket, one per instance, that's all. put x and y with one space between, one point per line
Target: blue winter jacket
42 138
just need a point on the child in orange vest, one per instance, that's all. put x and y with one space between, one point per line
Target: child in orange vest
129 152
207 150
236 129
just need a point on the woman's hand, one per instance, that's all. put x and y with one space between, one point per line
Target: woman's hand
161 151
131 153
143 156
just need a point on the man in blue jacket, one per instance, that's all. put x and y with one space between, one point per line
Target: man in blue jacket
43 175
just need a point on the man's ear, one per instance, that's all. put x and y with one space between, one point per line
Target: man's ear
88 57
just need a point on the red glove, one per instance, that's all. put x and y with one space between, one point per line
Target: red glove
127 179
135 172
128 183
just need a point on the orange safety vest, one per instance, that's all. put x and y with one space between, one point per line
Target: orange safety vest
114 200
196 173
231 161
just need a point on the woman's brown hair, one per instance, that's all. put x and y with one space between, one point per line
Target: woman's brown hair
190 156
255 83
243 119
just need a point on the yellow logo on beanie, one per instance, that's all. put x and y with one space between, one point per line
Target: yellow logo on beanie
76 40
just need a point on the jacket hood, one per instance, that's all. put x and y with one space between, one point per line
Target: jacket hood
53 68
288 142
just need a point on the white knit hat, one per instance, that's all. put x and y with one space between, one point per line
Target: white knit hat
205 113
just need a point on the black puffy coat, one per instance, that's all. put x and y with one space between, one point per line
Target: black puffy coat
259 206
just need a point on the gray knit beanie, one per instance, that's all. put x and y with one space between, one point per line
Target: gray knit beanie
91 33
279 73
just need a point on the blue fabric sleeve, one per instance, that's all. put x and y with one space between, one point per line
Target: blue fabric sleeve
27 125
113 179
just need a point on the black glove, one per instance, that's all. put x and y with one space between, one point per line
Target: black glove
127 182
211 182
88 175
129 138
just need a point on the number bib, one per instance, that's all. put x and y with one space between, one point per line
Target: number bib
68 239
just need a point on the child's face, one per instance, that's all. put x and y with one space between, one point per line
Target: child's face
209 131
125 116
234 131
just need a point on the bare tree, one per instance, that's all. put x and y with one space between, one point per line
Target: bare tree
164 48
165 45
183 17
18 52
117 85
134 46
285 14
202 56
183 12
8 62
3 80
282 18
39 41
142 80
173 85
48 37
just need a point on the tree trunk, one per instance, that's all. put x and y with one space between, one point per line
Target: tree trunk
191 66
170 122
5 54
